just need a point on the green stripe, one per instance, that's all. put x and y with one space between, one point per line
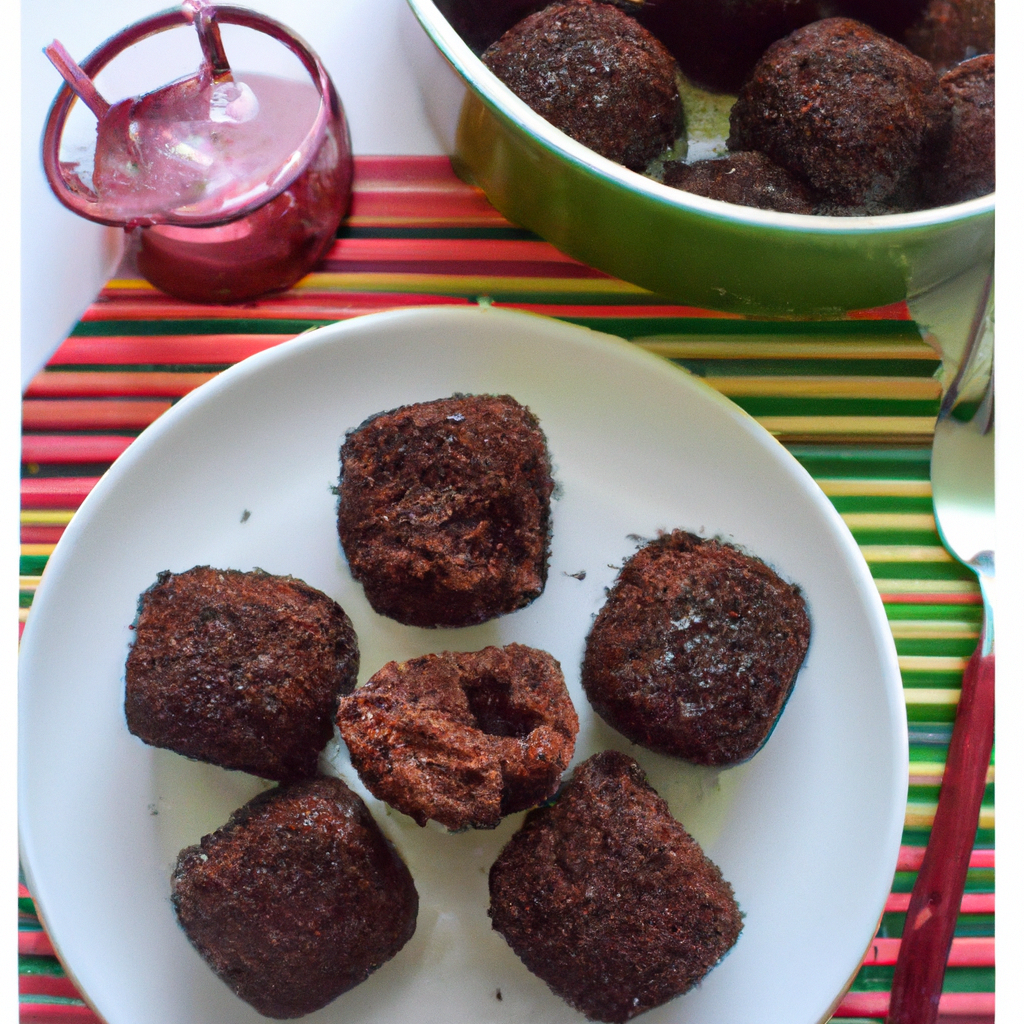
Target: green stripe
965 612
920 570
847 461
956 647
767 405
879 503
780 366
665 326
874 978
33 565
40 965
28 998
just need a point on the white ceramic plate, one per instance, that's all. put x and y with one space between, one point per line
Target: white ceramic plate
807 832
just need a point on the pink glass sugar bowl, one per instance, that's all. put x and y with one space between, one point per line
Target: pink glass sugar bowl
232 184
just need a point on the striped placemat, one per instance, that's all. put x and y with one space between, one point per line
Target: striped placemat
854 400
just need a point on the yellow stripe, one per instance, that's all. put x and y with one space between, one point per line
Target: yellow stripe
28 582
931 663
933 629
889 520
742 346
446 284
911 388
133 283
37 549
845 487
937 587
905 553
929 773
920 697
921 814
46 516
898 425
23 614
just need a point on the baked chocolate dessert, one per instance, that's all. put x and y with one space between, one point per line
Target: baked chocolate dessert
718 42
747 179
846 109
298 898
444 509
949 31
966 167
240 669
696 650
462 739
595 73
608 899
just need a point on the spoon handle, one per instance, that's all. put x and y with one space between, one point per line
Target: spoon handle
935 901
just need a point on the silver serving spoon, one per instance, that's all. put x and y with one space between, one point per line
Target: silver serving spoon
963 494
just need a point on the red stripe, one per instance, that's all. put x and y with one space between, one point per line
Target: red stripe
41 534
897 311
34 944
910 858
56 491
931 598
54 383
297 305
155 349
48 448
547 269
47 985
86 413
489 249
56 1013
389 171
972 903
953 1004
966 952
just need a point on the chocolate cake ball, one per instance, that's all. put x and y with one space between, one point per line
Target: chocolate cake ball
718 42
747 179
950 31
444 509
596 74
462 739
298 898
844 108
608 899
696 650
240 669
966 168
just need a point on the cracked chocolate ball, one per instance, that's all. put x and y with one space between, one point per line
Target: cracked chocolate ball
239 669
696 650
297 899
462 738
607 898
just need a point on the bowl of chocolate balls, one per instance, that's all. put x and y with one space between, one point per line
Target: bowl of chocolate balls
783 158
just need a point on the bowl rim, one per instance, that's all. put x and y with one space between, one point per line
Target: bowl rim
505 102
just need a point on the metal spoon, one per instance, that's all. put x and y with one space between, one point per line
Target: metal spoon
963 494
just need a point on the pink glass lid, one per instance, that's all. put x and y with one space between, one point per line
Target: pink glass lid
206 149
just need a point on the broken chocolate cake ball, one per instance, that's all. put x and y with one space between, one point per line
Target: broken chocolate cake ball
846 109
966 167
747 179
298 898
462 738
949 31
696 650
608 899
444 509
596 74
239 669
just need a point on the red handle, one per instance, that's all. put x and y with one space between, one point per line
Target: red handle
935 901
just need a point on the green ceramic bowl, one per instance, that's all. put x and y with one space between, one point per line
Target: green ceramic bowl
690 249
